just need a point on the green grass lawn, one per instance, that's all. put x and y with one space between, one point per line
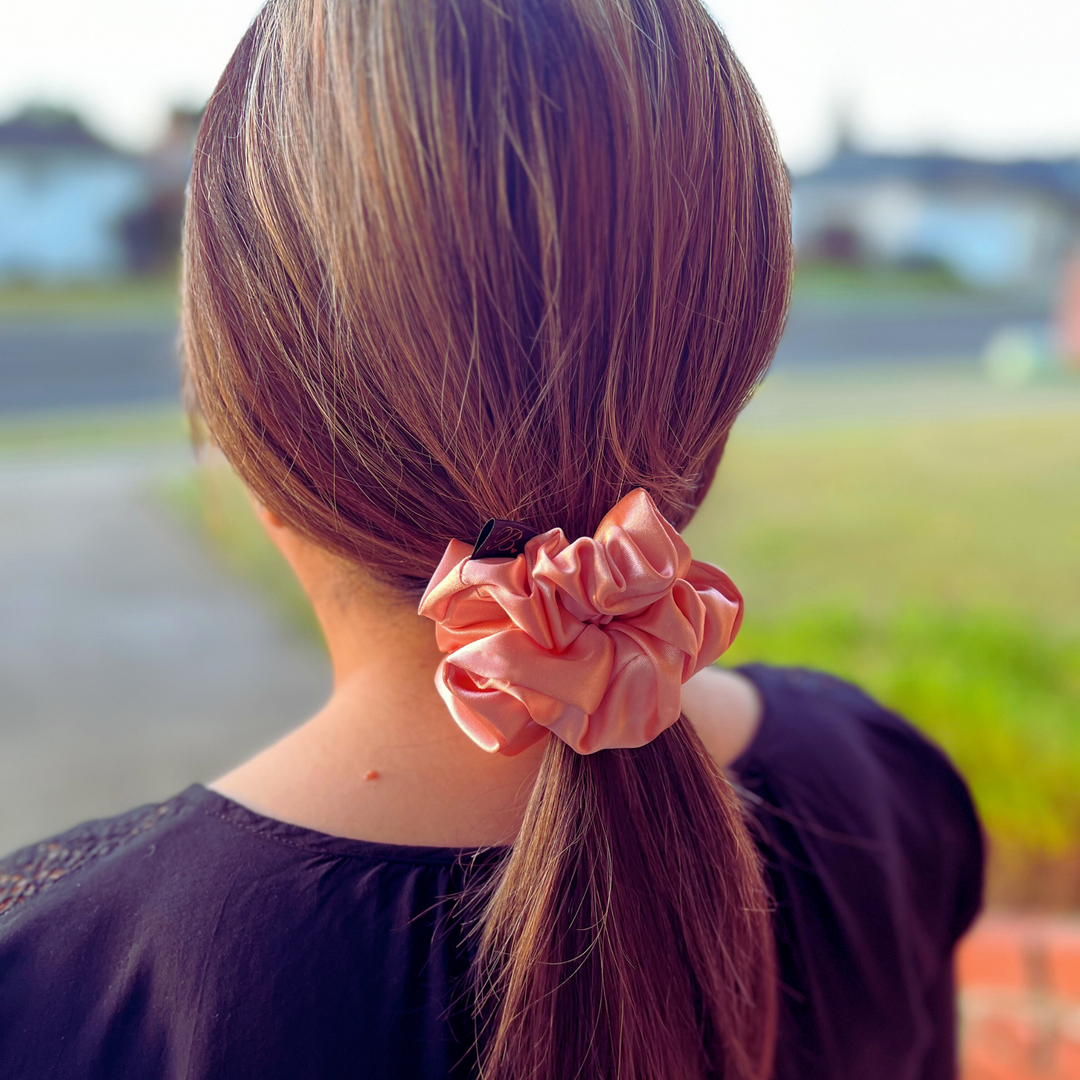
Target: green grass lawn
936 563
966 513
152 297
80 431
158 295
825 281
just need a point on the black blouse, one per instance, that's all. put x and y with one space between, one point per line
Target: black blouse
197 939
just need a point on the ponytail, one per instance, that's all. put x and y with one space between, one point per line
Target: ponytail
627 933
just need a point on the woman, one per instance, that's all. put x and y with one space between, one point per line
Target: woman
449 261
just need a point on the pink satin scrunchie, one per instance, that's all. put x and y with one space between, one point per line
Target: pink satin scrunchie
591 640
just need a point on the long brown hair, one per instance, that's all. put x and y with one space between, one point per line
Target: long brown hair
447 260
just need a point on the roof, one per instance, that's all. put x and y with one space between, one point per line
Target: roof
41 127
1056 177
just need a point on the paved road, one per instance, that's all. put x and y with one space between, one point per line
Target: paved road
130 664
939 331
64 364
74 363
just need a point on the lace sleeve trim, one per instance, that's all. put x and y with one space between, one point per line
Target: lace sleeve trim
33 869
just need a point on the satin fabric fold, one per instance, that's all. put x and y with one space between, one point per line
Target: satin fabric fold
590 640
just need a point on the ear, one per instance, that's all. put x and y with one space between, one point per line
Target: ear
270 521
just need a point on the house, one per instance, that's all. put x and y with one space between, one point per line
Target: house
63 195
151 230
991 223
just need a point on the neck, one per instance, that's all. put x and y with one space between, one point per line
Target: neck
384 761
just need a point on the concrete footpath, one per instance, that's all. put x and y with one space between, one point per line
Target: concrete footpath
130 663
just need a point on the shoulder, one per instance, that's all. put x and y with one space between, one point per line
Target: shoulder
874 855
196 927
118 896
76 910
840 764
827 739
31 873
812 712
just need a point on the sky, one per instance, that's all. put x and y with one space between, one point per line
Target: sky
984 77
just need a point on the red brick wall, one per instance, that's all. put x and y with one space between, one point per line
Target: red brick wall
1020 999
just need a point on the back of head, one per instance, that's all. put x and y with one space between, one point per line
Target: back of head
449 260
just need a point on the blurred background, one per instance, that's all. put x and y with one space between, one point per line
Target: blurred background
900 502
